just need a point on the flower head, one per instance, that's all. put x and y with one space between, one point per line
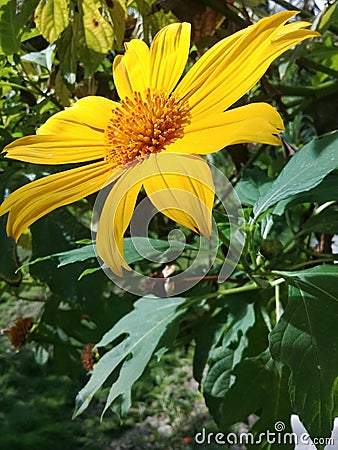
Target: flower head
88 357
19 331
152 138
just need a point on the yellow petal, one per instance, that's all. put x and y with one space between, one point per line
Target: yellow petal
34 200
256 122
115 218
86 117
168 56
234 65
70 136
137 62
181 187
55 149
121 77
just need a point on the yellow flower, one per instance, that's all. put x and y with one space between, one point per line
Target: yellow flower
153 137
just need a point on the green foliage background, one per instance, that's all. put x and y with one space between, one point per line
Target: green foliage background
265 341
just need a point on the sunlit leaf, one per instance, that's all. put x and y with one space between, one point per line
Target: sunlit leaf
328 16
9 28
324 192
305 170
51 18
98 33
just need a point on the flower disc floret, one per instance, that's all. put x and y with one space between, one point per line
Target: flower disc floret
144 124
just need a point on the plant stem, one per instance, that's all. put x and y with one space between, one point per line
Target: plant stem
238 290
314 261
308 63
315 92
278 304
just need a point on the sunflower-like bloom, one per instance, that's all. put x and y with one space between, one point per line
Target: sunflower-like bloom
152 138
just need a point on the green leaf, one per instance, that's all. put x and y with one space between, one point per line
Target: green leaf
95 34
8 257
305 170
306 340
54 232
141 331
68 50
324 192
51 18
9 28
325 222
254 184
328 16
89 272
153 22
259 388
27 8
168 249
9 264
118 14
230 345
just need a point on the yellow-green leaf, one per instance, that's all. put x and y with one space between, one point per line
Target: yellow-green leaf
51 18
9 28
98 33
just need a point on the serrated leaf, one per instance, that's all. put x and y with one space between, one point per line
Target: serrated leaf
306 340
305 170
227 351
259 388
142 330
9 28
51 18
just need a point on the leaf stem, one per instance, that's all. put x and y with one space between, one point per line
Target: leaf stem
238 290
314 261
278 303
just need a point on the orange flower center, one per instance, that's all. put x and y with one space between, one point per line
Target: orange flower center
141 126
